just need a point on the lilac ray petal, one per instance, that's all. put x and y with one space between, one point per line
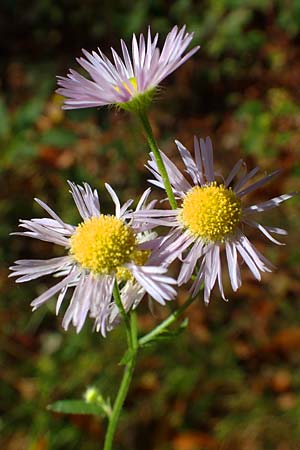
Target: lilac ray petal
142 202
36 271
150 244
159 184
127 59
144 213
73 306
124 213
199 279
114 199
53 290
38 231
79 202
210 158
50 225
245 178
258 184
106 292
68 228
260 227
233 267
167 254
167 222
189 263
249 261
198 161
207 160
120 66
157 286
211 270
151 288
60 298
35 264
92 200
233 172
85 301
262 263
188 161
276 230
272 203
220 282
177 180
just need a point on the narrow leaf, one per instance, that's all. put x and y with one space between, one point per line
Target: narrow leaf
75 407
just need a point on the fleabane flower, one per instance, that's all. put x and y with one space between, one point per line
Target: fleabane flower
210 217
101 251
129 81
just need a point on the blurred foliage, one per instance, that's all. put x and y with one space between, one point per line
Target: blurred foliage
231 381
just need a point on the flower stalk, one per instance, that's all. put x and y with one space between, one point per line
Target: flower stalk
124 386
159 161
133 347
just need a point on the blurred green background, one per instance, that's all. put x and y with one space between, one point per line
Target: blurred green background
232 380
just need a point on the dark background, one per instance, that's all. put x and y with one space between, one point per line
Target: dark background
231 381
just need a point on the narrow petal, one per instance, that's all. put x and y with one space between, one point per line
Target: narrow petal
233 267
53 290
269 204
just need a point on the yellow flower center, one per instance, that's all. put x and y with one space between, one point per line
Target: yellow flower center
103 244
131 91
211 212
139 257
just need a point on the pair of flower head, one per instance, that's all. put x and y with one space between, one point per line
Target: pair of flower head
123 250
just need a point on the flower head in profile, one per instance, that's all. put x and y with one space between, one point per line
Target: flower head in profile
211 216
129 81
101 251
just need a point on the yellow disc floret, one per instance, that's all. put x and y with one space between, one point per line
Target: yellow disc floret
133 82
103 244
139 257
211 212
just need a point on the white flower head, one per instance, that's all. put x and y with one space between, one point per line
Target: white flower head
101 251
127 82
210 217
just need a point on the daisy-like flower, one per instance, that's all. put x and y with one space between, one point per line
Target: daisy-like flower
210 217
101 251
127 82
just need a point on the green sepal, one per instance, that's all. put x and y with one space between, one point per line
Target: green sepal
139 102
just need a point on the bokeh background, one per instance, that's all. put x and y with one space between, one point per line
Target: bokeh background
231 381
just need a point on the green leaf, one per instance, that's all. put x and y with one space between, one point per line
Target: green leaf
75 407
59 137
4 120
28 113
167 334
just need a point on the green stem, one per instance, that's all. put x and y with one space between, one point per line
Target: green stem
159 161
126 380
118 301
165 324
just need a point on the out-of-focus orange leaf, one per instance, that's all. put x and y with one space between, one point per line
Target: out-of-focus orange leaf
61 159
27 388
243 350
40 444
286 340
286 401
18 441
281 381
149 382
192 440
